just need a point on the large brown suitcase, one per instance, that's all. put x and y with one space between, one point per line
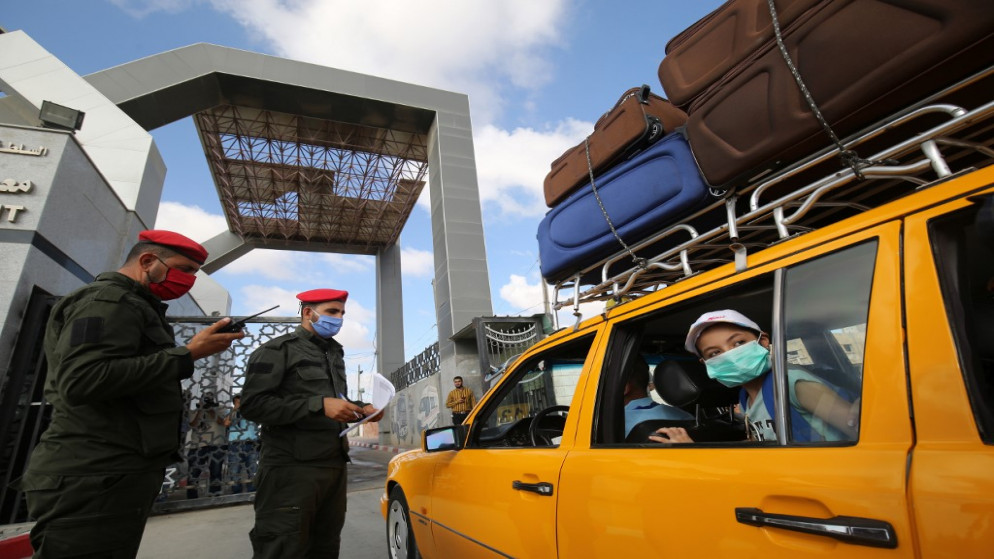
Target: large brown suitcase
708 49
638 119
861 60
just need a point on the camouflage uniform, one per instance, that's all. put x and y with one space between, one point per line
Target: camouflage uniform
300 488
113 381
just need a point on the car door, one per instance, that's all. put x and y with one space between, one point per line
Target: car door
496 497
742 498
949 274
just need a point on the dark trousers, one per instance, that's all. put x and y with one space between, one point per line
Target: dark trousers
299 512
458 418
243 458
210 458
89 517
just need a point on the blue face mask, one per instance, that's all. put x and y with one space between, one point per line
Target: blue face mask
738 366
327 326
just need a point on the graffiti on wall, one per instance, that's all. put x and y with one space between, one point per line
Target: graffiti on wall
428 407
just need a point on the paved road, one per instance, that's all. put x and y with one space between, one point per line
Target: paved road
222 533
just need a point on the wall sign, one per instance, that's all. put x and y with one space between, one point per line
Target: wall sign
11 147
16 187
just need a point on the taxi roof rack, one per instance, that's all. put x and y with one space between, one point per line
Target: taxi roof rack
922 145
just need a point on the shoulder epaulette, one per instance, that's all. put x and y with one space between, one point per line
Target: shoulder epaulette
107 291
280 341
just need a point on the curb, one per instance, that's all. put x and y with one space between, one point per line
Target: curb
377 446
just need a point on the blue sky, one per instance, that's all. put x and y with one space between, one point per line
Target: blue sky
538 74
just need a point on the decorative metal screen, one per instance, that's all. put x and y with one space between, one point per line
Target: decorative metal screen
422 366
220 449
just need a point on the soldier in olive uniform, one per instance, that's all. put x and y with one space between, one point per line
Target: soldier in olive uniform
114 375
295 388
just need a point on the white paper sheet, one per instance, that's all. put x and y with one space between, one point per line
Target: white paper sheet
383 392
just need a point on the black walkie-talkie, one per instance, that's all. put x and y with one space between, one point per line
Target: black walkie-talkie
238 325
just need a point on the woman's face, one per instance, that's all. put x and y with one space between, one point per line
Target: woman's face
723 337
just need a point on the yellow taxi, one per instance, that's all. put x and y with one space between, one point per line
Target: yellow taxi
888 300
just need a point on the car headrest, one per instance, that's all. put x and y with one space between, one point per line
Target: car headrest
682 383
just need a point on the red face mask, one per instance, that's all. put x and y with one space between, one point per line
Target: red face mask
175 285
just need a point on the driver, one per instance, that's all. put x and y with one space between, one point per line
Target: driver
639 406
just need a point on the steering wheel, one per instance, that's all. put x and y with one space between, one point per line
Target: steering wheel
539 436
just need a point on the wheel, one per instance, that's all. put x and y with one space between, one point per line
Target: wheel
655 130
536 433
400 535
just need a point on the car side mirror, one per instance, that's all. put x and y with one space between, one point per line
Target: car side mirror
451 437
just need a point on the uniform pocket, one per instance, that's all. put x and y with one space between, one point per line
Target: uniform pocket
312 374
277 522
92 535
316 445
158 420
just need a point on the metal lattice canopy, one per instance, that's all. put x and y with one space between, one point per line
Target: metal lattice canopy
287 179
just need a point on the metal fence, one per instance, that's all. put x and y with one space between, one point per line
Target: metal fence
420 367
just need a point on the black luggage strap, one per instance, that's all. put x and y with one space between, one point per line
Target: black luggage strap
849 157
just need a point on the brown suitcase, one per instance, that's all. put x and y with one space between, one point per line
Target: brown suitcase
705 51
638 119
862 60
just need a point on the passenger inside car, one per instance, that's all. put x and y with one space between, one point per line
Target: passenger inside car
639 406
736 352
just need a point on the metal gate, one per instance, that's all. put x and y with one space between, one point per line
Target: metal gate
220 448
24 414
499 340
218 461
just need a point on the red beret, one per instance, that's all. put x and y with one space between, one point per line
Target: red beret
322 295
183 245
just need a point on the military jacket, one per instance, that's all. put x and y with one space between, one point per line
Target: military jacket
286 382
113 381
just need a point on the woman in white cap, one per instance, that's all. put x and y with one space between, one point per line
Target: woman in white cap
736 352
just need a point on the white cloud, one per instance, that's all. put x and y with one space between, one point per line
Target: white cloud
192 221
470 47
264 296
345 264
417 263
141 8
516 162
511 164
523 296
277 265
526 299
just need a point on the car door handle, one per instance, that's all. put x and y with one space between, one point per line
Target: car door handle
543 488
849 529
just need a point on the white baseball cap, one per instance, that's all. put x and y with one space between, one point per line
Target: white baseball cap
709 319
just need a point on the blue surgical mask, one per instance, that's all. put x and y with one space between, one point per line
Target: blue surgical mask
327 326
738 366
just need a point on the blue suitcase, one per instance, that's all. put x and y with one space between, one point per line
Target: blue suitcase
642 195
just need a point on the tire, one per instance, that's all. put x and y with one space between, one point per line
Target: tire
400 533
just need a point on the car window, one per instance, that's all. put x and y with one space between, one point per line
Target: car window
536 387
826 304
825 309
964 257
651 381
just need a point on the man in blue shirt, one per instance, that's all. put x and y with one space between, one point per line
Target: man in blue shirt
243 448
639 406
